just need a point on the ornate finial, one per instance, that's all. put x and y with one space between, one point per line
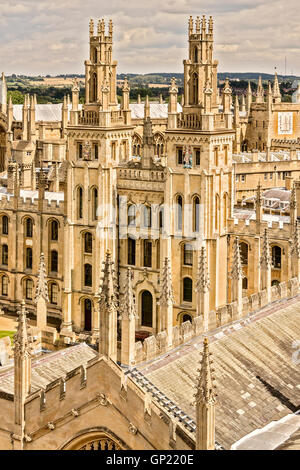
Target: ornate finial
227 88
236 103
198 23
243 107
107 294
41 288
102 26
191 25
91 27
75 86
99 27
203 282
21 341
126 86
276 89
260 91
265 259
259 199
293 198
173 88
127 308
166 295
110 28
203 24
270 93
205 383
211 24
236 270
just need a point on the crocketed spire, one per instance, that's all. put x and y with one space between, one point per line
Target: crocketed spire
276 90
260 91
21 341
127 308
295 251
203 283
205 384
41 288
259 199
166 295
265 259
293 199
108 298
236 270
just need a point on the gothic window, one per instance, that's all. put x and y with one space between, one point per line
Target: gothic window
136 145
147 253
276 257
88 242
195 88
244 253
28 227
226 155
187 289
87 311
88 277
79 150
196 54
186 317
54 261
28 289
161 217
4 285
5 255
196 214
147 309
179 155
5 225
131 251
147 219
94 87
95 203
197 157
245 283
179 213
79 202
54 230
216 156
96 152
53 293
28 258
188 254
131 214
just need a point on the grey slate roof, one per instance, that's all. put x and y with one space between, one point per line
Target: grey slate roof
50 367
257 380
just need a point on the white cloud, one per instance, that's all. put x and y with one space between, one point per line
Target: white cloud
48 36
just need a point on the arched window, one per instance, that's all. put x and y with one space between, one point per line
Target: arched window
276 257
28 289
5 255
161 217
217 211
186 317
5 225
88 242
131 251
244 253
87 312
195 88
28 258
245 283
196 214
95 203
54 230
88 276
136 145
188 254
158 254
28 227
275 282
179 213
53 293
187 289
147 216
54 261
131 215
147 308
147 253
94 87
79 202
4 285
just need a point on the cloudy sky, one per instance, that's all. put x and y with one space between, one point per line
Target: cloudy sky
51 36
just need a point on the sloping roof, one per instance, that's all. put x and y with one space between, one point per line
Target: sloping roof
257 380
50 367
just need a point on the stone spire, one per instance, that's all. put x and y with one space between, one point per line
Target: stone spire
243 106
265 259
237 276
269 96
249 98
260 91
147 108
108 305
127 317
276 90
166 301
172 106
205 401
22 370
202 289
41 295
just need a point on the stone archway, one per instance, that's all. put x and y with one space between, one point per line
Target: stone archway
95 439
